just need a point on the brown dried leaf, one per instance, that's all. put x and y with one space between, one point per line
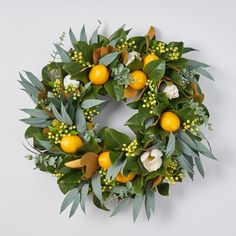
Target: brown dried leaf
151 32
124 56
156 181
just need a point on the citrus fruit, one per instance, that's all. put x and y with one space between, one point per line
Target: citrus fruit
169 121
99 75
71 143
104 160
124 179
129 92
149 58
139 80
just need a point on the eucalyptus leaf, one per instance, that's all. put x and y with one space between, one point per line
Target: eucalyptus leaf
66 118
184 163
199 165
171 145
204 150
138 200
38 113
205 73
68 199
115 169
84 194
80 121
34 80
123 203
109 58
63 54
72 37
186 149
83 36
89 103
96 185
149 203
75 204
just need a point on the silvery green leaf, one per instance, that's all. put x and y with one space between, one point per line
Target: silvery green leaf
138 200
187 139
121 190
123 203
204 150
115 169
149 203
75 204
55 112
199 165
109 58
83 36
196 64
188 49
34 80
51 161
66 118
72 37
37 122
63 54
80 121
205 73
36 113
91 103
94 37
87 85
68 199
84 194
184 163
186 149
96 186
171 145
46 144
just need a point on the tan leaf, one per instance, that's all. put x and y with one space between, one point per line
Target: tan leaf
100 52
156 181
151 32
42 95
125 56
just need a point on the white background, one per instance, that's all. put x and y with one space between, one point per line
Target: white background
30 200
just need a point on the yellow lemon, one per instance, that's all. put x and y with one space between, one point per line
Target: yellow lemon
169 121
125 179
139 80
104 160
71 143
149 58
99 75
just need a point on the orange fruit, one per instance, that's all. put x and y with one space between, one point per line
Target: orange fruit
99 75
71 143
139 80
104 160
129 92
169 121
124 179
149 58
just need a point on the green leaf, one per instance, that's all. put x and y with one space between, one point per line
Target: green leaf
109 58
31 132
87 51
80 121
75 205
149 203
204 150
199 165
114 140
188 49
123 203
38 113
184 163
192 65
138 183
136 64
72 37
114 89
155 70
55 112
171 145
84 194
46 144
138 200
99 204
83 36
163 189
91 103
34 80
96 186
205 73
68 199
65 117
63 54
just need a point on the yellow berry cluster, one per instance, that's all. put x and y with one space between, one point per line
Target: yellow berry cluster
159 48
72 89
173 53
174 173
125 44
89 113
131 148
58 175
57 88
149 100
107 184
59 130
191 126
78 57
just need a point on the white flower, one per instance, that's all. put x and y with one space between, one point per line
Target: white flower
152 159
67 82
171 91
131 56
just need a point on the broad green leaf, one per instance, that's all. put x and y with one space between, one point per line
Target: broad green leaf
205 73
63 54
204 150
34 80
109 58
136 64
84 194
65 117
75 205
96 186
195 64
36 113
68 199
163 189
87 51
123 203
83 36
138 201
171 145
155 70
199 165
114 89
188 49
184 163
99 204
91 103
72 37
138 183
31 132
80 121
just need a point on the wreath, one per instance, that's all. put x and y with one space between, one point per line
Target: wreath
151 77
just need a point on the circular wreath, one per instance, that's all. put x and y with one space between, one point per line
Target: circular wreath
151 77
